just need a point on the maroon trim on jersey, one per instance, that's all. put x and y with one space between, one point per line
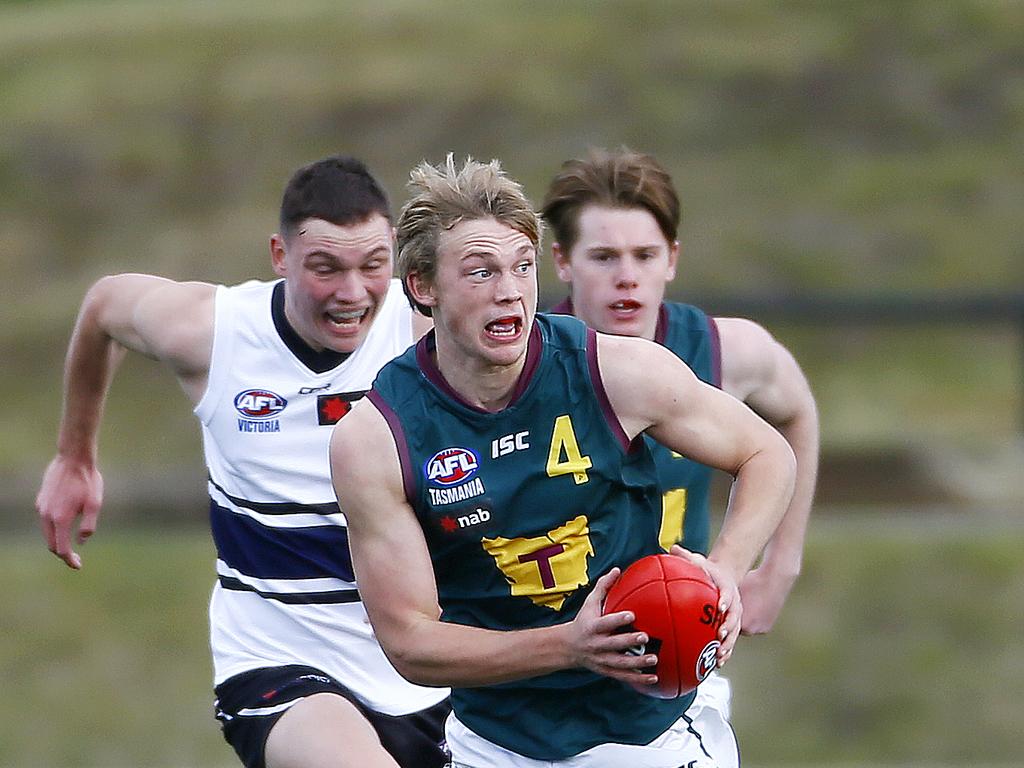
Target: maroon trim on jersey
716 353
395 425
428 365
601 394
564 307
661 328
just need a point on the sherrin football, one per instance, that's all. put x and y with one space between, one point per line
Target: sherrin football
676 605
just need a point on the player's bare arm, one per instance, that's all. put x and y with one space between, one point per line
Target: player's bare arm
396 582
763 373
651 390
160 318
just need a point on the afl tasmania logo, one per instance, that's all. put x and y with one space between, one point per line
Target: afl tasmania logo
259 403
451 466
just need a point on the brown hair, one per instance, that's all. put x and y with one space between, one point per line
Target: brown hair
619 179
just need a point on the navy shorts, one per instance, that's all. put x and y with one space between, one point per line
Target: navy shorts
248 705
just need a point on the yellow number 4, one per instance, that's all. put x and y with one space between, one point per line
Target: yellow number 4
563 439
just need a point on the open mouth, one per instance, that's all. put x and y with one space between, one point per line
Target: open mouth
626 307
347 319
505 327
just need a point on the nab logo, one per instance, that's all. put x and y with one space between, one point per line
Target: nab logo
259 403
451 524
451 466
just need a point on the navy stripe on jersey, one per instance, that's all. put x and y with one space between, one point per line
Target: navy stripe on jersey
294 598
700 741
279 508
602 396
280 553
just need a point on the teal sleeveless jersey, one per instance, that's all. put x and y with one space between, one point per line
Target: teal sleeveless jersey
522 510
686 485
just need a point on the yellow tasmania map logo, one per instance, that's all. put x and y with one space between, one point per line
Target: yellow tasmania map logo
545 568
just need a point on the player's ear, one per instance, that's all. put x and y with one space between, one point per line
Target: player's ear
673 259
277 254
421 289
563 267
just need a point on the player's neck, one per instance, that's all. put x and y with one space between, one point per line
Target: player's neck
474 381
480 384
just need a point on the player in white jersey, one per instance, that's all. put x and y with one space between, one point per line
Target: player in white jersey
270 366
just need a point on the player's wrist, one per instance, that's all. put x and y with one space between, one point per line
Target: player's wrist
76 454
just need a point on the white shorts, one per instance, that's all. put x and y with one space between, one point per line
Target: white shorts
701 738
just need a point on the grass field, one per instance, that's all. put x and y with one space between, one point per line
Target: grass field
901 646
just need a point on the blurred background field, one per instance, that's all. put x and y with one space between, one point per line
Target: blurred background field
872 150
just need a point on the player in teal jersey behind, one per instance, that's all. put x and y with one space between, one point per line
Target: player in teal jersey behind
495 485
614 216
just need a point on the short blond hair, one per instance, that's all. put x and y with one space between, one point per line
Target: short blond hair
442 196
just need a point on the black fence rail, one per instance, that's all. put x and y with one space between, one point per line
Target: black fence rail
875 310
1005 309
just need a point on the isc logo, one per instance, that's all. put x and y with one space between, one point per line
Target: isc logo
505 445
452 465
259 403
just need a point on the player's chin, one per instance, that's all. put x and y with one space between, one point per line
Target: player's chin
345 341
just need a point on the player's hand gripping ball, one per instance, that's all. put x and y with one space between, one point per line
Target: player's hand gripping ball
676 604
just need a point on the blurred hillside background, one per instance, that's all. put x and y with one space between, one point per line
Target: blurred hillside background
824 152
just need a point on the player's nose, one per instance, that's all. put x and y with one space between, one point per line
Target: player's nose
348 286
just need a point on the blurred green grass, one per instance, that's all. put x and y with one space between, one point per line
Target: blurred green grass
818 148
900 646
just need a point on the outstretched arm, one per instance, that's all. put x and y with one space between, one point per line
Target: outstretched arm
763 374
651 390
165 320
396 582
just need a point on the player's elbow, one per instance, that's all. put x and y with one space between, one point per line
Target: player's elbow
784 457
413 661
406 641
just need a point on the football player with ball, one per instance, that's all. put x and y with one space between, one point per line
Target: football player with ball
496 482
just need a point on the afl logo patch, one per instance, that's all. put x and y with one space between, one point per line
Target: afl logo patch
259 403
451 466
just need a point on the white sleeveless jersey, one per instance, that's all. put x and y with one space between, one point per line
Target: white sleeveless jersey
285 592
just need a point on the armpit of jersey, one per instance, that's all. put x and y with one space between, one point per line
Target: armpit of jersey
548 568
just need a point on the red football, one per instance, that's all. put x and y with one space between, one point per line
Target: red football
676 605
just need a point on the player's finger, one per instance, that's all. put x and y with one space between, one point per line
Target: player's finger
87 526
602 585
629 662
678 550
636 679
49 535
62 546
623 643
614 622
